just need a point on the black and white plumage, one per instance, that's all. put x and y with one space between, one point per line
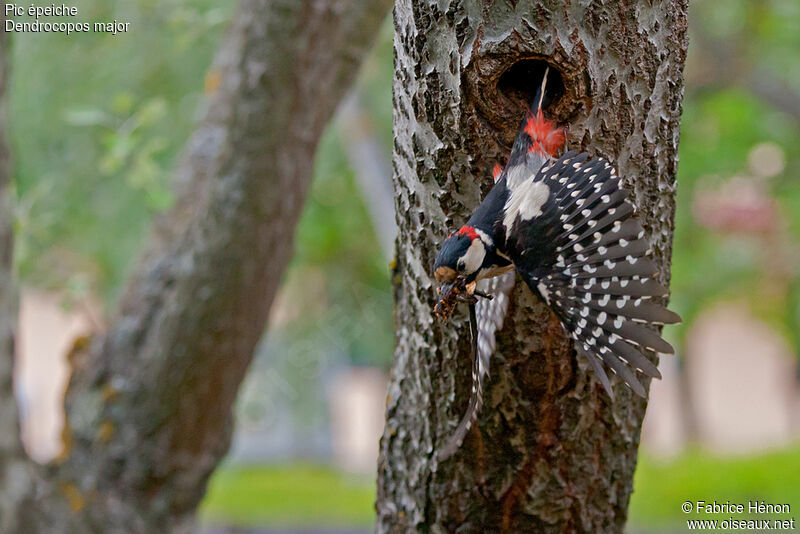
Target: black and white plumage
593 271
566 226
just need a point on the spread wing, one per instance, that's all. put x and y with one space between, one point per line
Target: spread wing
575 242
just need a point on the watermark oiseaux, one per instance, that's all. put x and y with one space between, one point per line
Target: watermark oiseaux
56 18
752 515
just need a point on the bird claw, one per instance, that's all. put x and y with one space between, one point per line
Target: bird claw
469 299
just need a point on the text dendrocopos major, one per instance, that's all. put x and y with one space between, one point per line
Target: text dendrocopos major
565 225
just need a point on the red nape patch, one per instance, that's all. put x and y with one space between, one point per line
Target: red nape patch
496 171
468 231
544 134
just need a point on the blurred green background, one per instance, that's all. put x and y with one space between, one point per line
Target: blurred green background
95 137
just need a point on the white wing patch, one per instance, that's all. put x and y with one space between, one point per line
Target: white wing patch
516 175
525 202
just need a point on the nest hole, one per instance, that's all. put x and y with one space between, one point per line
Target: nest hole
521 81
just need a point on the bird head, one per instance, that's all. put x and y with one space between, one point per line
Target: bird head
460 258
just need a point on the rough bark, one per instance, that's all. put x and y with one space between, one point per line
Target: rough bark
149 403
551 452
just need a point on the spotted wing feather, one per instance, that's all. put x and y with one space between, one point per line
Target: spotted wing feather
585 254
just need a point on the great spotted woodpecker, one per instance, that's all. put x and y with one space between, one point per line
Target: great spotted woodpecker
565 225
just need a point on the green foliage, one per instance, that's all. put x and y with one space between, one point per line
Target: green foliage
309 495
300 495
661 487
96 122
336 240
722 124
96 131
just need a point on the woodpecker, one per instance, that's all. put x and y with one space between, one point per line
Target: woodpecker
567 228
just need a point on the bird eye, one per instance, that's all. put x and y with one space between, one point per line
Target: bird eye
461 265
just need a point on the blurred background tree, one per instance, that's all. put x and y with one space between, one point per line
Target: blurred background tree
96 123
149 398
738 215
95 140
97 127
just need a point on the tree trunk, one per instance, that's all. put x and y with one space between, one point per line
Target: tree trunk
149 403
551 452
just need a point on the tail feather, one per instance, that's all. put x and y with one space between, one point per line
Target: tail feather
486 318
539 98
475 398
537 134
